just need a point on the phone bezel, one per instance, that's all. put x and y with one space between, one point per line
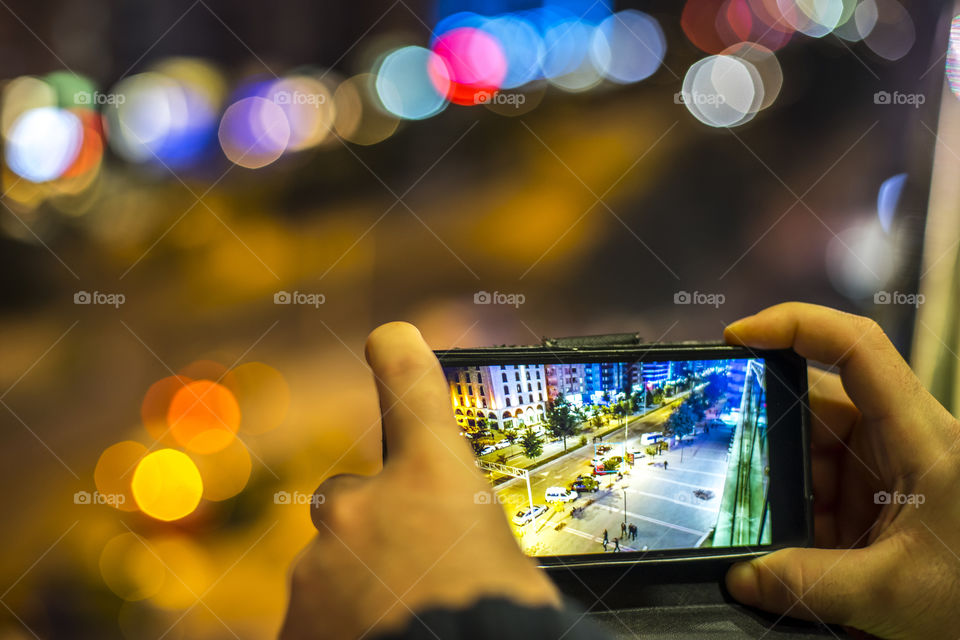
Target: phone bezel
791 495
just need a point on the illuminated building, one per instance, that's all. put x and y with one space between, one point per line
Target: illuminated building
498 396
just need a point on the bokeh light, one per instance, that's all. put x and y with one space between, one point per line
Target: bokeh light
263 396
860 260
189 573
628 46
407 88
224 473
470 65
359 117
130 569
308 106
722 91
114 473
254 132
24 94
893 33
43 143
888 197
815 18
522 45
167 485
204 416
766 64
156 404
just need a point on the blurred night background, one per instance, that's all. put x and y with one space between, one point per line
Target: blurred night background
207 206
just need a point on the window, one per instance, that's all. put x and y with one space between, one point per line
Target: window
508 401
517 375
541 398
531 397
519 389
459 390
504 376
528 375
539 386
506 390
469 389
502 367
538 374
480 389
529 387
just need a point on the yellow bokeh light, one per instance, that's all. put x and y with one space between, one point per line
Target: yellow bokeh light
130 569
167 485
224 473
114 472
189 572
263 394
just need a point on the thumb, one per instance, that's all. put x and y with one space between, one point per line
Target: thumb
825 585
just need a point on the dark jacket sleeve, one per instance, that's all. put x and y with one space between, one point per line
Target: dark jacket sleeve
500 619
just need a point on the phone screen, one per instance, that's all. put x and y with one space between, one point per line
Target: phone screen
608 457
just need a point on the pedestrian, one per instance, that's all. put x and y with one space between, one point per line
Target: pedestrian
623 529
605 543
664 465
636 531
616 545
606 538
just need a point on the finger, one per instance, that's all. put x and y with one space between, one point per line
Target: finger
325 497
833 414
874 375
414 399
827 585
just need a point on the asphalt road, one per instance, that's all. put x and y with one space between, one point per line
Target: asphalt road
660 502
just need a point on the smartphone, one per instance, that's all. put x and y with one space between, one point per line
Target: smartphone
605 451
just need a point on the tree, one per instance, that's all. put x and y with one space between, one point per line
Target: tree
562 419
510 435
620 410
681 422
698 404
532 444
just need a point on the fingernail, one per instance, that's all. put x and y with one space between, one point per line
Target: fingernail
743 583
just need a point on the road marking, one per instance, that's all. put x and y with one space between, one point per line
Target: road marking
597 539
680 502
686 484
662 523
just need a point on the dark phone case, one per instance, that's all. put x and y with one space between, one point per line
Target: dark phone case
586 574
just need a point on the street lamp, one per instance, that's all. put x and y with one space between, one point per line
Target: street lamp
624 489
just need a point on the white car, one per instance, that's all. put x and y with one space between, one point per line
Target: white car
597 462
487 449
503 444
559 494
528 515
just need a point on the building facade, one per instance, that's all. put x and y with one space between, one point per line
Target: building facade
501 397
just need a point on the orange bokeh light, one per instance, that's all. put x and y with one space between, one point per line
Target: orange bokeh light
204 416
156 404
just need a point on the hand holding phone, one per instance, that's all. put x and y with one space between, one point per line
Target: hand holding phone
885 473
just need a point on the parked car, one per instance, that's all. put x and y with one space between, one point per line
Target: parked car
529 515
488 449
585 484
559 494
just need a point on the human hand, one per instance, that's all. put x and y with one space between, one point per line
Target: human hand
888 569
424 532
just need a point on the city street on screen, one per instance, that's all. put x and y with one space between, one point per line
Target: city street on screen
611 457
